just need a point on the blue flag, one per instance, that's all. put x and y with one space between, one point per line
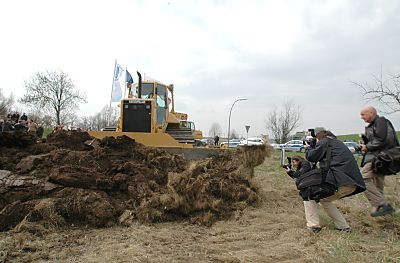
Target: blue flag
128 78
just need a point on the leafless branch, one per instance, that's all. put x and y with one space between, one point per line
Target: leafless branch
53 92
282 123
5 104
386 92
215 129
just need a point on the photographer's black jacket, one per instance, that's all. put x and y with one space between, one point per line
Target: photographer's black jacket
343 169
305 166
380 137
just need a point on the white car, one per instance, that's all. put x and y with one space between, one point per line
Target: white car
275 145
293 145
252 141
232 143
353 147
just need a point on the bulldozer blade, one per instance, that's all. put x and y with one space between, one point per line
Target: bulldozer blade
193 153
250 155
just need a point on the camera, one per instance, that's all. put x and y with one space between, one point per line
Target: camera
289 165
364 138
310 138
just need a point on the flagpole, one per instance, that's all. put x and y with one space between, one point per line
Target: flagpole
112 87
126 83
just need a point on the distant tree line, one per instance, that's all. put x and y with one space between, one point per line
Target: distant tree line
51 98
6 103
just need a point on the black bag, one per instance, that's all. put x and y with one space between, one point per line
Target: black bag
387 162
312 184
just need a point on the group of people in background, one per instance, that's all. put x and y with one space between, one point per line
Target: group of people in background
16 122
343 172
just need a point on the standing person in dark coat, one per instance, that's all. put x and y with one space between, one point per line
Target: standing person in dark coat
216 140
7 126
14 117
24 117
39 132
381 136
343 173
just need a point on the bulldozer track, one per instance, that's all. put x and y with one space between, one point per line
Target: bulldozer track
182 135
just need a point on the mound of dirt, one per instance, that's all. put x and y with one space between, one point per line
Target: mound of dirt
17 139
72 140
65 181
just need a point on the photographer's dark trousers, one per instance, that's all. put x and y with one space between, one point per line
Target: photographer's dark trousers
311 209
374 184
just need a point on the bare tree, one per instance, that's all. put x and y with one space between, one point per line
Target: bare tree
387 92
5 104
54 93
234 134
215 129
106 117
40 118
282 123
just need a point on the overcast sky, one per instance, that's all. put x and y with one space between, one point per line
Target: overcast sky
214 52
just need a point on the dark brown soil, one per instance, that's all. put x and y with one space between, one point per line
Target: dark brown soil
75 180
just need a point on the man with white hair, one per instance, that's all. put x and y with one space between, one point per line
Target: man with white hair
380 136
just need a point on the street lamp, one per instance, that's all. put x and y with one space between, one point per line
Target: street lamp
229 123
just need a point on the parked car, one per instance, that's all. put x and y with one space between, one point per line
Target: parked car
202 142
293 145
252 141
353 147
275 145
232 143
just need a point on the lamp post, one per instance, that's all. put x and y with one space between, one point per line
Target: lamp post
229 123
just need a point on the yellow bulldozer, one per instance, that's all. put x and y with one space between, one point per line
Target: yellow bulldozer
148 115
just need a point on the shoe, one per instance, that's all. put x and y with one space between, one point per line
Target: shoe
346 229
383 210
315 229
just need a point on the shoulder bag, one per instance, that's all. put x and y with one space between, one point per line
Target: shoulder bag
387 162
312 185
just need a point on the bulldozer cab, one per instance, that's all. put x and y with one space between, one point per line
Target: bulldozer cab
158 92
188 124
146 108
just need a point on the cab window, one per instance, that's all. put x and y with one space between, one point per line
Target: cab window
147 90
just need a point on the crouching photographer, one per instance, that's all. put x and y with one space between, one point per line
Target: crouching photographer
299 164
301 167
339 171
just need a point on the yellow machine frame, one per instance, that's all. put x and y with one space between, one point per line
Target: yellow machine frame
157 135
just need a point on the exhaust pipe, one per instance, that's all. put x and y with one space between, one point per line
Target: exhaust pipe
139 85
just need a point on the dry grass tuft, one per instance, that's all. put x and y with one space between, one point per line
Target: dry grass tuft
271 231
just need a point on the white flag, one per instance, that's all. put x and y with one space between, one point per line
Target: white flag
116 94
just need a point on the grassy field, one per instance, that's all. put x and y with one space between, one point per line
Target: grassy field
46 132
274 230
356 137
